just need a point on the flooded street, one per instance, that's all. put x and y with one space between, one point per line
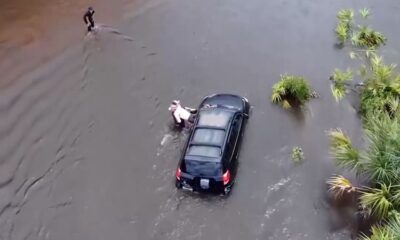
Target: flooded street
86 149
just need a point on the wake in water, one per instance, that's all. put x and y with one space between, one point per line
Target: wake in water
108 29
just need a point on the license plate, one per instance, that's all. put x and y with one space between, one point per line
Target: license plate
204 183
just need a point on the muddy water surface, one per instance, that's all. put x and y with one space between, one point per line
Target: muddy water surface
85 144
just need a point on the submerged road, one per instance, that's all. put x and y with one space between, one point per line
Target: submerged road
86 151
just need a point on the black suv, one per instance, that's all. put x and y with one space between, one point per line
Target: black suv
209 162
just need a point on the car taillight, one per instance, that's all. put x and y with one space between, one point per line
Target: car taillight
178 173
226 177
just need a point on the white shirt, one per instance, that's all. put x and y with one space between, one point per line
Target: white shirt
181 113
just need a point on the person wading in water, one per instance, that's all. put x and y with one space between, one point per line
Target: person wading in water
88 19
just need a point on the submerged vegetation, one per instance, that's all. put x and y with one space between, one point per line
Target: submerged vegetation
291 91
382 88
379 160
297 154
340 81
357 35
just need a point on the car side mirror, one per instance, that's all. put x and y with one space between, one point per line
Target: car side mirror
245 115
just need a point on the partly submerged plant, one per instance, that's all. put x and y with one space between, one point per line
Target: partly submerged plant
365 12
340 81
359 36
291 90
380 108
297 154
368 38
382 90
345 15
344 26
342 32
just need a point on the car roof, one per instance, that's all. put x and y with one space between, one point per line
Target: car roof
215 117
209 136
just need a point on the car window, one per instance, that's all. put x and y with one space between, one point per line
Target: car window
214 117
234 131
210 136
205 151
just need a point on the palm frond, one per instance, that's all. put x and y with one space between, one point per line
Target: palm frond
345 15
378 201
338 92
343 151
286 104
393 105
276 97
396 199
365 12
379 232
342 32
338 185
394 226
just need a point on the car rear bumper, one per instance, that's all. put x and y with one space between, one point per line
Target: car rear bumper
215 188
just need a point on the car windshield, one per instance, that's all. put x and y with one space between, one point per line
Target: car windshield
205 151
209 136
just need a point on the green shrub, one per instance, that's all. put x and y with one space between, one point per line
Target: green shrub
291 91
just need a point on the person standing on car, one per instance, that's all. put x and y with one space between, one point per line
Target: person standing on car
88 19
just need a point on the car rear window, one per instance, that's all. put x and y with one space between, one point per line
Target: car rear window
203 168
210 136
205 151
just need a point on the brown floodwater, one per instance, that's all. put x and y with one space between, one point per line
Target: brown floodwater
86 149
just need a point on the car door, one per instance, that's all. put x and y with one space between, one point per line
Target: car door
236 132
233 143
